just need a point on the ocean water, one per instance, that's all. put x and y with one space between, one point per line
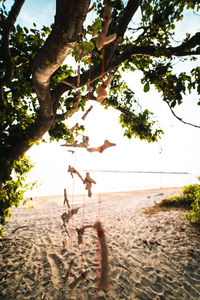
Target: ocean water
114 181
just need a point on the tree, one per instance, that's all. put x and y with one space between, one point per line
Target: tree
39 92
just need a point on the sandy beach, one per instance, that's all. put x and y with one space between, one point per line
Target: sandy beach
150 256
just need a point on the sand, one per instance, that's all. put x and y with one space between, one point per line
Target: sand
150 256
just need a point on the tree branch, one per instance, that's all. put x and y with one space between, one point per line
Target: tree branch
127 16
188 45
125 19
65 34
181 120
96 71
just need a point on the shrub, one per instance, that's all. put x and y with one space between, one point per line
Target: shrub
188 198
194 214
12 192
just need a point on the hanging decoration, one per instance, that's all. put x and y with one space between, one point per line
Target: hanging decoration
80 232
101 148
101 90
104 273
67 216
66 199
81 53
83 144
72 171
88 181
87 112
104 277
75 127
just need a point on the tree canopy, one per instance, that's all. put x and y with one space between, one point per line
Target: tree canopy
39 91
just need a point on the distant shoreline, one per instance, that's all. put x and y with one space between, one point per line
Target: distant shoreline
80 196
137 172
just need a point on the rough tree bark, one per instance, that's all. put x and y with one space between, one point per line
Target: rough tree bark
65 34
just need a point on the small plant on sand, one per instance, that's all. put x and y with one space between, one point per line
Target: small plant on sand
189 199
194 214
186 197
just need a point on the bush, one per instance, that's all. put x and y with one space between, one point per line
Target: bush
189 198
194 214
12 191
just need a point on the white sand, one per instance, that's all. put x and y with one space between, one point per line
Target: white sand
151 257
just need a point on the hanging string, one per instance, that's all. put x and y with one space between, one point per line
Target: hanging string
83 204
98 248
102 71
82 246
72 207
89 79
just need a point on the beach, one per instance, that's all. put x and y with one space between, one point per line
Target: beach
150 256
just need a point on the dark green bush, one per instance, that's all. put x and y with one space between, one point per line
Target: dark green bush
12 192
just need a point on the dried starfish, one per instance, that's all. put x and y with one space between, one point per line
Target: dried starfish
80 232
66 216
88 182
74 171
100 149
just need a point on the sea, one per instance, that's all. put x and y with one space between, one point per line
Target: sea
114 181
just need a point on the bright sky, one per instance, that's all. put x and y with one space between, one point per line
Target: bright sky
177 150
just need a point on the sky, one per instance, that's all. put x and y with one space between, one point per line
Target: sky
177 151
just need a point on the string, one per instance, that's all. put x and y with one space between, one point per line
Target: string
99 197
98 265
83 205
98 248
102 71
89 79
72 207
71 234
82 246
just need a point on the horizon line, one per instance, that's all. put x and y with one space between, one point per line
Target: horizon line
129 171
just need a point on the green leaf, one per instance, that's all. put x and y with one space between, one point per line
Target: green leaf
146 87
97 25
26 29
30 207
87 46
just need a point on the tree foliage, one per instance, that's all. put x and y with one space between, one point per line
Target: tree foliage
12 191
39 91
